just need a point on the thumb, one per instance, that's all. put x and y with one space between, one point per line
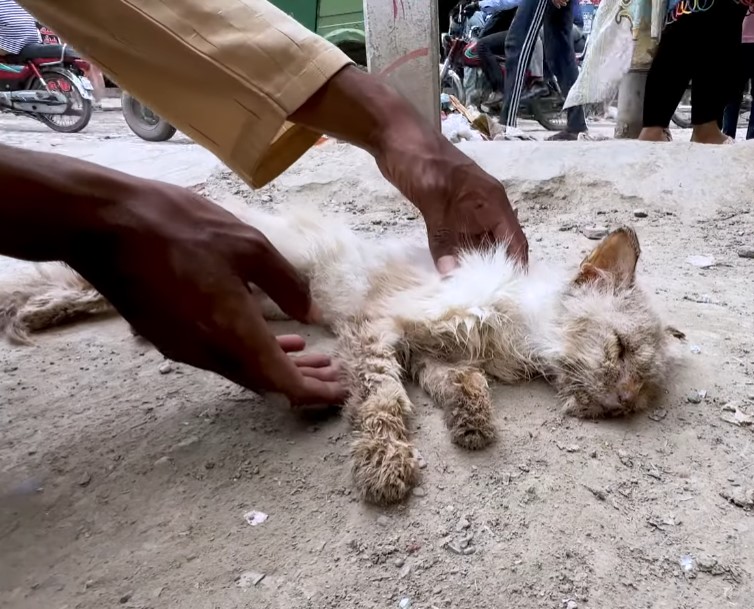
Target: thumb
444 248
266 267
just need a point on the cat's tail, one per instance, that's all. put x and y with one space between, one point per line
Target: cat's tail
52 295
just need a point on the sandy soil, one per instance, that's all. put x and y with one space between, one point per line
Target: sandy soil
124 483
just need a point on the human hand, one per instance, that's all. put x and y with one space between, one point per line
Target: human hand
177 267
559 3
463 206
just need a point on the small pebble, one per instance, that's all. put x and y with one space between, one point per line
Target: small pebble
572 605
383 521
162 461
462 524
420 461
468 550
702 262
405 603
640 213
249 578
125 598
593 454
419 491
695 397
746 253
594 232
190 441
166 368
696 349
405 571
85 479
399 562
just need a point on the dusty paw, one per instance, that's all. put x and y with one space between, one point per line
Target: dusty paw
473 435
384 469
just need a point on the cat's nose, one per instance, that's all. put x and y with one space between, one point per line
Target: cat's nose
626 396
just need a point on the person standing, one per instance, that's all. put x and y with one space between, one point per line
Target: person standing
556 16
730 117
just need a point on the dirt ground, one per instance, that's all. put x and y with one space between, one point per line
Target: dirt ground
125 483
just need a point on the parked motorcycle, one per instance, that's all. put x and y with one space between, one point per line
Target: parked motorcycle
461 74
47 82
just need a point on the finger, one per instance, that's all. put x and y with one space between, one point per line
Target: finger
291 342
313 360
315 391
327 374
266 267
443 243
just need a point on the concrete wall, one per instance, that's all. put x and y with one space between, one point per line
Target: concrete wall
403 45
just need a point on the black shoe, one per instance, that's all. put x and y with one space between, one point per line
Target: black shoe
563 136
538 89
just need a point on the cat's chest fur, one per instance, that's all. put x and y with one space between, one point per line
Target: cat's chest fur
488 313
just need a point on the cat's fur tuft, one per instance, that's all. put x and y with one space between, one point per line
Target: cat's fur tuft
592 333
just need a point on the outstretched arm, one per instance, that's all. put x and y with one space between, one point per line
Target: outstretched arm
175 265
235 75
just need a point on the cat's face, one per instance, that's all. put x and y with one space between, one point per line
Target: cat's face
614 356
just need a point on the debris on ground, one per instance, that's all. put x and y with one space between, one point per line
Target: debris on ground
405 603
740 497
595 233
695 349
248 579
419 491
166 368
746 253
640 213
732 413
696 396
255 518
702 262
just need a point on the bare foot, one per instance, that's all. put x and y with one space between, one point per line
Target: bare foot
655 134
709 133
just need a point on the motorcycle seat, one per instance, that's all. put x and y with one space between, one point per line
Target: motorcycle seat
41 51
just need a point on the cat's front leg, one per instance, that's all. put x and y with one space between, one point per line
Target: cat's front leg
462 391
383 463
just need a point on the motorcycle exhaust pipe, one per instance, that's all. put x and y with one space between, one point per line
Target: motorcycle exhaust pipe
34 102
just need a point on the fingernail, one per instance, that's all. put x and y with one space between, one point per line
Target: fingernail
445 264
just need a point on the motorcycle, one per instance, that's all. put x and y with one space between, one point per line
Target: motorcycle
47 82
461 74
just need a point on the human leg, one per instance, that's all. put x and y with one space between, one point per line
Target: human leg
558 29
488 47
519 46
667 80
716 72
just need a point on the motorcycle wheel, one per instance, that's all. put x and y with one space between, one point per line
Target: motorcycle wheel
58 80
682 115
143 122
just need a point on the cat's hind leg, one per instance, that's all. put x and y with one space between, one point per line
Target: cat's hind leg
462 391
383 463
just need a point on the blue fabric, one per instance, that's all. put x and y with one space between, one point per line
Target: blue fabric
578 16
490 7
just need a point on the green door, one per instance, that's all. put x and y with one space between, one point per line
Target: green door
303 11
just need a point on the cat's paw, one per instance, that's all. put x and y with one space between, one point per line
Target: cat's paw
384 469
472 433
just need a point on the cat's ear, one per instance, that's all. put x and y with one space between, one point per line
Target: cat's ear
614 260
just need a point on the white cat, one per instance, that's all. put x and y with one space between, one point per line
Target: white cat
592 332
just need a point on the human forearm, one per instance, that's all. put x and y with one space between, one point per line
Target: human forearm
52 204
365 111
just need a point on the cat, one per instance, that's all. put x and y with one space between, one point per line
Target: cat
591 333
